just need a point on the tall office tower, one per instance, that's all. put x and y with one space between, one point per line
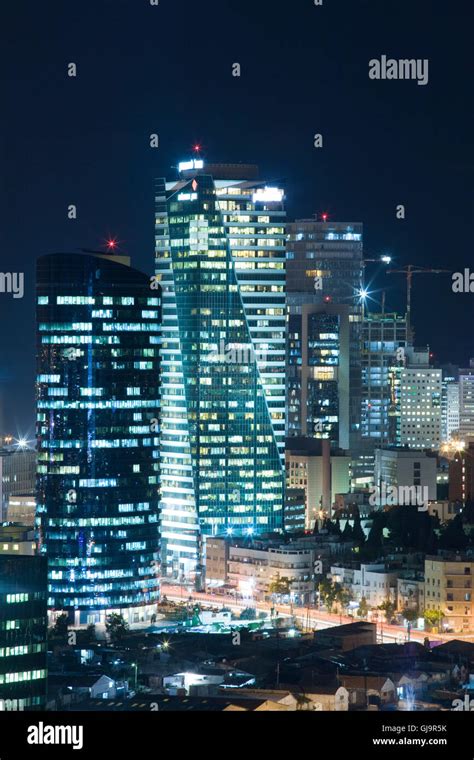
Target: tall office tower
324 268
466 402
449 408
17 474
420 402
220 258
384 340
23 631
97 400
318 349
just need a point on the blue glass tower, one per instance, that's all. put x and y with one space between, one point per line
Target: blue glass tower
97 404
220 252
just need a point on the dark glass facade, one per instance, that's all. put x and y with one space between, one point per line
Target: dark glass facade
97 429
23 628
220 260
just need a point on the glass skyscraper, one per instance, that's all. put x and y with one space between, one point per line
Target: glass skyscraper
23 627
220 259
97 403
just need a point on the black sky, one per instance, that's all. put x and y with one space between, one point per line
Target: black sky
167 70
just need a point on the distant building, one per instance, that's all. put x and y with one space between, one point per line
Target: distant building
321 477
450 419
21 509
420 402
253 566
372 582
405 468
324 275
17 474
449 590
17 540
411 592
294 518
461 475
466 402
23 628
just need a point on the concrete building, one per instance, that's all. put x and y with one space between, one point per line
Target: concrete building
448 589
420 402
17 474
251 567
294 517
411 592
322 474
372 582
405 468
17 540
21 509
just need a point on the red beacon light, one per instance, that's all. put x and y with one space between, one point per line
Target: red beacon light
324 217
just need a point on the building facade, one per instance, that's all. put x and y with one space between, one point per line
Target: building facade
466 402
220 259
325 270
23 631
448 590
97 401
420 403
17 474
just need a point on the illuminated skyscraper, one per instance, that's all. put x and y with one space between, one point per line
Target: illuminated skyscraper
324 274
97 401
23 629
220 259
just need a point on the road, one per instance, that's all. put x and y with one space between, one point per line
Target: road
308 617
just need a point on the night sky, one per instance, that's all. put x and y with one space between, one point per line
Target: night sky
168 70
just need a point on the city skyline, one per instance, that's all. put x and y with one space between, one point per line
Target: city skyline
361 173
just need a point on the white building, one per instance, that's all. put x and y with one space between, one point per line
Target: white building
420 401
372 582
450 409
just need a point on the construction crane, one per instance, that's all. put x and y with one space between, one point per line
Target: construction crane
409 271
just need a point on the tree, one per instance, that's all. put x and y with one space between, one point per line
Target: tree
410 614
453 536
116 627
280 586
363 609
86 636
61 625
357 530
389 607
433 618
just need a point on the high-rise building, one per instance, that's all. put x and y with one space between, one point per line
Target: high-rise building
461 474
17 474
318 343
97 401
420 402
466 402
324 270
23 629
220 259
383 335
449 408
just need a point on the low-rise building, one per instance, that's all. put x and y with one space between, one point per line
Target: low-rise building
448 590
372 582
